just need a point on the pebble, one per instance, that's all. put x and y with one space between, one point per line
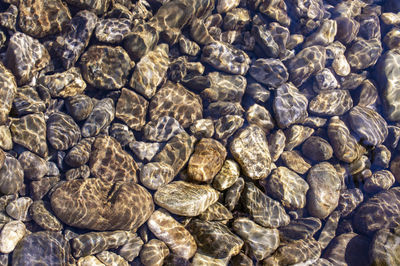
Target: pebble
80 153
296 135
326 80
89 261
62 131
368 124
265 41
261 241
324 192
288 187
109 162
380 180
79 106
288 97
250 149
331 103
261 117
7 92
110 258
144 150
130 250
141 40
101 116
122 134
294 161
349 201
227 176
150 71
153 253
41 187
112 30
5 138
364 53
97 6
19 209
185 199
132 109
202 128
11 176
161 129
270 72
25 57
264 210
27 101
227 125
85 204
317 149
10 235
40 211
172 233
206 161
383 247
329 230
276 144
216 212
301 228
225 87
233 194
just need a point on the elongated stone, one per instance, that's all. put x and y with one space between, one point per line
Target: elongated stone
216 212
227 176
19 209
8 90
162 129
206 160
301 228
250 149
153 253
41 214
186 199
11 176
132 109
384 246
100 117
233 194
177 238
331 102
10 235
225 87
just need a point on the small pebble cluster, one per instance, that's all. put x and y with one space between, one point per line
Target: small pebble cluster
199 132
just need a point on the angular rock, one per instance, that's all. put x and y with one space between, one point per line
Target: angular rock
324 192
364 53
226 58
344 144
40 212
290 105
225 87
122 134
79 106
276 144
112 30
324 35
331 102
11 176
132 247
65 84
27 101
264 210
153 253
132 109
368 124
95 242
100 117
7 92
349 201
296 135
276 10
172 233
144 150
215 239
317 149
347 29
109 162
150 71
6 142
42 18
250 149
176 101
110 258
261 117
80 153
270 72
207 160
25 57
162 129
141 40
11 234
236 19
326 80
87 204
265 40
49 248
261 241
18 209
227 125
75 37
287 187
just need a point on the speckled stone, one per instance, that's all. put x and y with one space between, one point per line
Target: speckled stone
295 252
97 6
227 176
344 144
122 134
50 248
257 92
368 124
265 41
8 18
80 153
100 117
261 241
301 228
106 67
11 176
216 212
27 101
89 261
214 239
378 212
261 117
162 129
331 102
112 30
109 162
226 58
233 194
324 35
290 105
384 246
176 101
264 210
207 160
177 238
364 53
150 71
156 174
62 131
153 253
132 109
326 80
306 63
225 87
296 135
79 106
227 125
42 18
144 151
141 40
11 234
75 37
287 187
5 138
85 204
132 247
380 180
276 144
64 84
188 47
349 201
236 19
336 251
276 10
185 199
329 230
18 209
7 92
317 149
256 162
34 166
176 152
41 214
110 258
95 242
270 72
25 57
324 192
